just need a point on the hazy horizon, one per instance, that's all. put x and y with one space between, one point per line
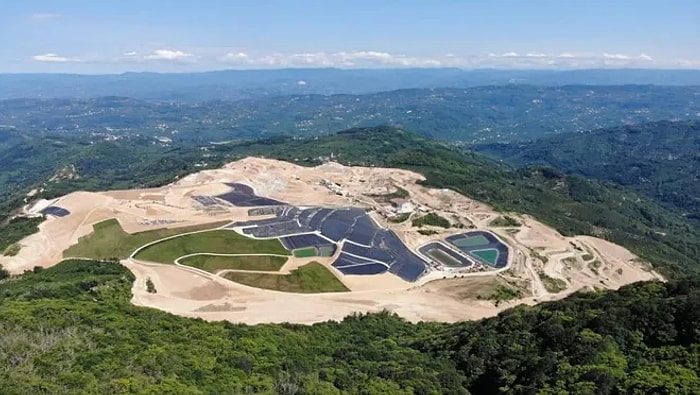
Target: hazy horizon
380 69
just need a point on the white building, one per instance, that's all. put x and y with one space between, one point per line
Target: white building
402 206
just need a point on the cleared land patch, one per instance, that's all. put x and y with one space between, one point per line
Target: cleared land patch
213 264
213 242
494 289
109 240
310 278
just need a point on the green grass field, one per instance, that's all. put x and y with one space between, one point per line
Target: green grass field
310 278
216 242
490 255
213 264
305 252
109 240
471 241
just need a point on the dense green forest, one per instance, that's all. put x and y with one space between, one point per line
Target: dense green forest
659 159
16 229
71 329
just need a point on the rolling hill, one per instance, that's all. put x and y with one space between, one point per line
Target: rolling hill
469 115
658 159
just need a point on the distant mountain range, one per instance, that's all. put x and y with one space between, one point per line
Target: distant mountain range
238 84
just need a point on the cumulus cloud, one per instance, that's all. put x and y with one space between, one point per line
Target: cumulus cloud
54 58
618 56
168 54
622 56
504 55
236 57
38 17
213 57
511 59
345 59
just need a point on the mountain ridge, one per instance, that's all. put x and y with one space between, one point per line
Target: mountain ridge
659 159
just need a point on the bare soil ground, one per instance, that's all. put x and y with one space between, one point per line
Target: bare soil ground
535 248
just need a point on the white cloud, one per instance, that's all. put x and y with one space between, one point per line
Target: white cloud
236 57
504 55
616 56
54 58
338 59
44 17
168 54
622 56
209 58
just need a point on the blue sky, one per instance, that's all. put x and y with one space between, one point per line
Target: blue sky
177 35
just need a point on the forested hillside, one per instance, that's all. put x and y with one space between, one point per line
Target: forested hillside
659 159
570 203
71 329
471 115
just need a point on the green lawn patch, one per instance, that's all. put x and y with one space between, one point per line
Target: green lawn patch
109 240
305 252
213 264
310 278
216 242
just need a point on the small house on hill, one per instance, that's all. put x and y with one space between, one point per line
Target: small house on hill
402 206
